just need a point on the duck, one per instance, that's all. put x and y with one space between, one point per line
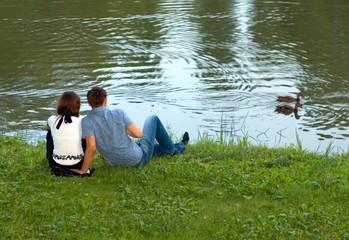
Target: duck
287 109
289 98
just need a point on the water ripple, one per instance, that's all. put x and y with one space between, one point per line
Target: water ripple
197 60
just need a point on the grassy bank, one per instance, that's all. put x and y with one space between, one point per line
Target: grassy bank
214 191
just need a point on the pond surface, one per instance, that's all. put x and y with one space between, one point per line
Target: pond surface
202 66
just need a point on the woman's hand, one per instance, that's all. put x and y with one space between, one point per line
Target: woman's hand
46 127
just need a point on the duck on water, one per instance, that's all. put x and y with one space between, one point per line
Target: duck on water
289 98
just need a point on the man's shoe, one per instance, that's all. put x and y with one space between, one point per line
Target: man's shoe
185 139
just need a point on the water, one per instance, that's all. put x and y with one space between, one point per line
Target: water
201 66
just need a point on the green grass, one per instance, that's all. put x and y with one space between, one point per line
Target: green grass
214 191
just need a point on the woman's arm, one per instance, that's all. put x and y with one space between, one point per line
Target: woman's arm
134 131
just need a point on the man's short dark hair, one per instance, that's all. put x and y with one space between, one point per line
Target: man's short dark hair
96 96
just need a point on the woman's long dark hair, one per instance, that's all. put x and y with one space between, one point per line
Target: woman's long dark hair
68 105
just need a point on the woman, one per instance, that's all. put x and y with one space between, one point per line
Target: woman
64 146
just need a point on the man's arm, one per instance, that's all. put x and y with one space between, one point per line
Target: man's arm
134 131
89 154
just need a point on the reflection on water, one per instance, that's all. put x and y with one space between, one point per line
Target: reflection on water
200 65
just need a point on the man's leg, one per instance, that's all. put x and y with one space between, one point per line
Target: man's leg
154 129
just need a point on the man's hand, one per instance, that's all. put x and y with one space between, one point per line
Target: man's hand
134 131
78 171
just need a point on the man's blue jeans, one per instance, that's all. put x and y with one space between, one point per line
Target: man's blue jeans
154 130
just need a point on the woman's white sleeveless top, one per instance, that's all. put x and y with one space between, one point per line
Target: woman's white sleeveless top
66 140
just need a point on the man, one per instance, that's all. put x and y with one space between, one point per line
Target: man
108 131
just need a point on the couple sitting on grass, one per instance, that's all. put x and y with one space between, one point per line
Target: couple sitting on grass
72 140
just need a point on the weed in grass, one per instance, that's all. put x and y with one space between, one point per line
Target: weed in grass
299 143
329 149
